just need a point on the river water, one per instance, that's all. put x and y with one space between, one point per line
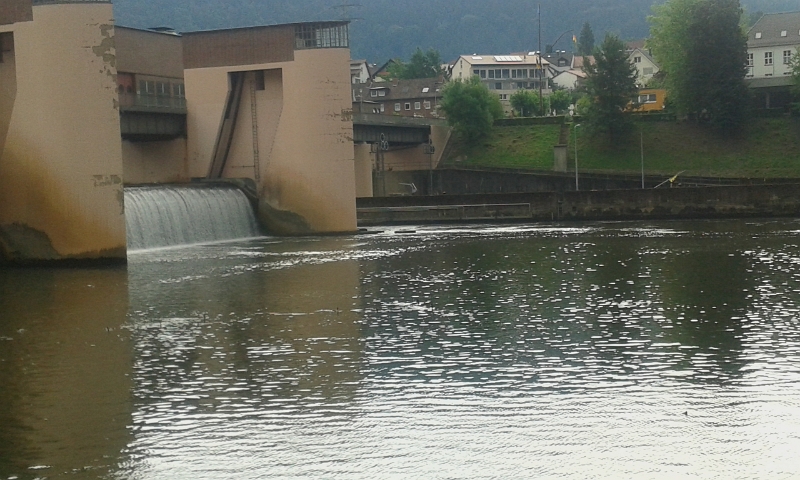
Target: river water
604 350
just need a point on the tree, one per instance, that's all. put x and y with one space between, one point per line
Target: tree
794 65
560 100
422 65
703 50
586 40
527 104
610 85
470 107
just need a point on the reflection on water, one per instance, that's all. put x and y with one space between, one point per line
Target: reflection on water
65 372
603 350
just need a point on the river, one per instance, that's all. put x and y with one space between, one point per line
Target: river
571 351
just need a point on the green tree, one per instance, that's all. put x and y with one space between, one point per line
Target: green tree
703 50
527 103
470 107
422 65
560 100
586 40
794 65
610 85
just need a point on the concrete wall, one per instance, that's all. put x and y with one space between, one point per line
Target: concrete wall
61 164
155 162
148 52
363 169
8 84
306 171
675 203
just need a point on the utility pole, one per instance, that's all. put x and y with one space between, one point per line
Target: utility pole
541 99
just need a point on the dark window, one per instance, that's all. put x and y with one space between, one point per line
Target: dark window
260 83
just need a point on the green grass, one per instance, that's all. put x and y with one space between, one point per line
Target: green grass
768 148
524 147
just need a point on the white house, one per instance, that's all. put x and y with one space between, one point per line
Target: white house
505 74
646 67
359 72
771 43
569 79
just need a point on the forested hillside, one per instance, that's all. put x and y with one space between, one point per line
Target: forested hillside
394 28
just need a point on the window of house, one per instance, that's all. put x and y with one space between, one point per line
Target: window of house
784 33
787 57
491 73
514 73
647 71
498 73
417 105
503 96
396 107
498 86
476 72
382 108
767 58
749 59
408 106
178 90
506 73
637 59
483 73
381 93
373 93
427 104
758 35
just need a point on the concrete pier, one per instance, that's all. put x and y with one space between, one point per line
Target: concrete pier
60 151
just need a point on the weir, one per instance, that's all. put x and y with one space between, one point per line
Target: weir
173 215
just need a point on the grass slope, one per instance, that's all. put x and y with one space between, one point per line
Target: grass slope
769 147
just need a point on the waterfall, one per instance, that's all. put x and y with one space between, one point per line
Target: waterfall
164 216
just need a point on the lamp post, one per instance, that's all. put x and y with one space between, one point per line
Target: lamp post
641 147
576 155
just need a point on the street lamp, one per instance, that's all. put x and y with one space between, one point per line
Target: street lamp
576 155
641 147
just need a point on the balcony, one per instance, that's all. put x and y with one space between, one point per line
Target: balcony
151 103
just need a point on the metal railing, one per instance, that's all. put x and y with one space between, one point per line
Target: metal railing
152 103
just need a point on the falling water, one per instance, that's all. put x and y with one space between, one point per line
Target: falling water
179 215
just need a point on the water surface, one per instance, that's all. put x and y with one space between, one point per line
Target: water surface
607 350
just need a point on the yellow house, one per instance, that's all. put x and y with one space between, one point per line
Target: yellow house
651 100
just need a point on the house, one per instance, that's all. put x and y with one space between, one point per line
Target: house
569 79
646 66
651 100
408 98
560 61
359 71
771 43
505 74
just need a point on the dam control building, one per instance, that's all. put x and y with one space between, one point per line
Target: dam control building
87 107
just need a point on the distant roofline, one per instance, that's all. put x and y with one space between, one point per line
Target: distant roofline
330 23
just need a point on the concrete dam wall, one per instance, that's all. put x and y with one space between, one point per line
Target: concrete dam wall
648 204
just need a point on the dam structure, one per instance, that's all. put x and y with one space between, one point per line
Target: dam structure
88 108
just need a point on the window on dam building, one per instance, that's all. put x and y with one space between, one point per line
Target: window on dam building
6 45
322 35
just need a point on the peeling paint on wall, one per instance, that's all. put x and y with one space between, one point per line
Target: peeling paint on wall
106 180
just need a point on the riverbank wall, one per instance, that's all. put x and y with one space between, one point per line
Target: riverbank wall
781 200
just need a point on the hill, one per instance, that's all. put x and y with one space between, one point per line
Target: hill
384 29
